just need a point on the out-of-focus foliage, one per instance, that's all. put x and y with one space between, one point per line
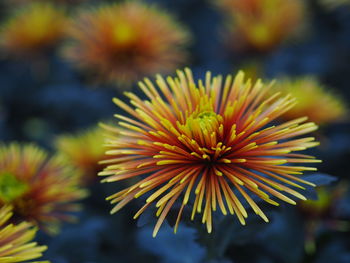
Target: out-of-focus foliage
324 213
331 4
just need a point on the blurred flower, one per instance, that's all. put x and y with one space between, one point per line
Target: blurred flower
23 2
41 189
123 42
262 25
323 213
209 137
83 151
253 69
310 97
15 240
31 29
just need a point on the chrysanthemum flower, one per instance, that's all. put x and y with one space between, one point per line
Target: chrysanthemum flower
13 3
262 25
311 96
32 28
83 151
16 240
42 190
209 143
123 42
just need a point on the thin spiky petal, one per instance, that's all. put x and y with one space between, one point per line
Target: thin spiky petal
16 243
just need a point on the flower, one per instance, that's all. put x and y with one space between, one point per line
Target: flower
32 28
310 95
123 42
42 190
262 25
207 142
17 3
83 151
15 240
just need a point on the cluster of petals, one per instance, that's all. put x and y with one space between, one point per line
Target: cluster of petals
16 243
119 43
310 94
83 151
210 144
262 25
41 189
32 28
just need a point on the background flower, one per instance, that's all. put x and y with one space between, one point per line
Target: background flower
32 28
83 150
262 25
123 42
316 102
16 240
41 189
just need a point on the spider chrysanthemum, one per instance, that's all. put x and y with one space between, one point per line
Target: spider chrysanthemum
41 189
16 243
125 41
262 25
83 150
210 144
32 28
310 95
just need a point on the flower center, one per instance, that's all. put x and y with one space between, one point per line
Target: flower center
203 134
208 120
123 34
11 187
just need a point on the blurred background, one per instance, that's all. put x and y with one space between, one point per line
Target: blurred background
60 69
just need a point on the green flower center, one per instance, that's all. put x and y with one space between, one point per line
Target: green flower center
207 120
11 187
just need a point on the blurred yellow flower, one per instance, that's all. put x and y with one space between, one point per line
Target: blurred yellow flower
16 240
125 41
32 28
313 100
83 150
40 189
262 25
